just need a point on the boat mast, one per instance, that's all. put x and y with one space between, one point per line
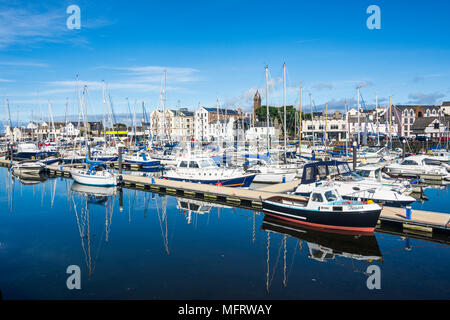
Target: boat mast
134 123
390 122
163 98
326 135
284 103
104 110
51 119
359 118
267 109
300 124
378 123
67 105
85 114
312 119
9 114
347 131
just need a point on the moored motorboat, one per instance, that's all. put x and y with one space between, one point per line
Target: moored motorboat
205 170
144 160
418 166
325 209
350 185
28 167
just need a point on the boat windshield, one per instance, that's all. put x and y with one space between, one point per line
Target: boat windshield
378 174
183 164
351 176
343 168
193 164
331 196
409 163
363 173
317 197
207 163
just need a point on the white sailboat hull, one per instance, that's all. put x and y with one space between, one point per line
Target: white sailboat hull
98 179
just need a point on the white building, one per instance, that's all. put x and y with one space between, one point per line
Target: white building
258 133
204 115
177 124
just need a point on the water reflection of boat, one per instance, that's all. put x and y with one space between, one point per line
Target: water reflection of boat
95 194
195 206
29 178
82 209
324 245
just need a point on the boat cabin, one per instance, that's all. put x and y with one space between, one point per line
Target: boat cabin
322 169
420 161
197 163
96 167
320 196
373 172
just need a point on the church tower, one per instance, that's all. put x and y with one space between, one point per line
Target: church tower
256 105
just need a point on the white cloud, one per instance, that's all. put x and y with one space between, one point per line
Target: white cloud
424 98
323 85
26 25
23 64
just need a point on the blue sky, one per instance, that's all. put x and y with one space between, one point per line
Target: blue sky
218 50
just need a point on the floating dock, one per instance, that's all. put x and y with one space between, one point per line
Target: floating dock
420 221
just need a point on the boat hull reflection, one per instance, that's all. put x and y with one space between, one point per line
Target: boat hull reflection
95 194
326 245
30 178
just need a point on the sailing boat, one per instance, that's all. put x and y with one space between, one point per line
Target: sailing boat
270 171
96 175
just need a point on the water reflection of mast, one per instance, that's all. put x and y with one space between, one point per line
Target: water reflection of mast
109 211
81 223
84 229
285 273
10 190
268 265
53 194
163 220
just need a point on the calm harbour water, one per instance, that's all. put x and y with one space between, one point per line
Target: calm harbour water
155 248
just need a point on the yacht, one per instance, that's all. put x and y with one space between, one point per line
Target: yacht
144 160
29 151
28 167
374 173
272 172
350 185
205 170
325 209
418 166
